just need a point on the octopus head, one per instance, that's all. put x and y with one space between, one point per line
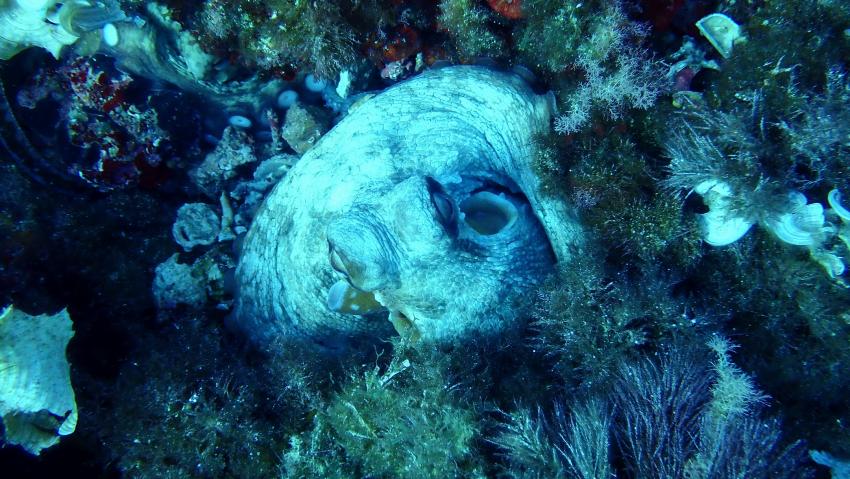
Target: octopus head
439 257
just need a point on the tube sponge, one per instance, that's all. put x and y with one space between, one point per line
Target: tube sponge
37 402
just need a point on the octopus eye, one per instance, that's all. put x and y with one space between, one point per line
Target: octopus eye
446 212
488 213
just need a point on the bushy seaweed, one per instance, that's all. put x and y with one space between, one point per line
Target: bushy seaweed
400 419
790 318
194 405
682 416
589 52
772 118
471 26
532 448
275 36
588 323
612 186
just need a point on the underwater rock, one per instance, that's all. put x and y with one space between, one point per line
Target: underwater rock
303 128
174 284
423 201
269 172
234 149
37 401
197 224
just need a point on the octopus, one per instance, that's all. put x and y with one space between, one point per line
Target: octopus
419 211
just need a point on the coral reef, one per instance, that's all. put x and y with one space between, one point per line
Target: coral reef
469 25
590 52
302 129
315 36
118 142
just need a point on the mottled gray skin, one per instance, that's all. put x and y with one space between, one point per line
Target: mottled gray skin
367 190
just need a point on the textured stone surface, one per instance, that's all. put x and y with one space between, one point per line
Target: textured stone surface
175 284
302 129
234 150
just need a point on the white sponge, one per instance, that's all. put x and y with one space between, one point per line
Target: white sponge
37 401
